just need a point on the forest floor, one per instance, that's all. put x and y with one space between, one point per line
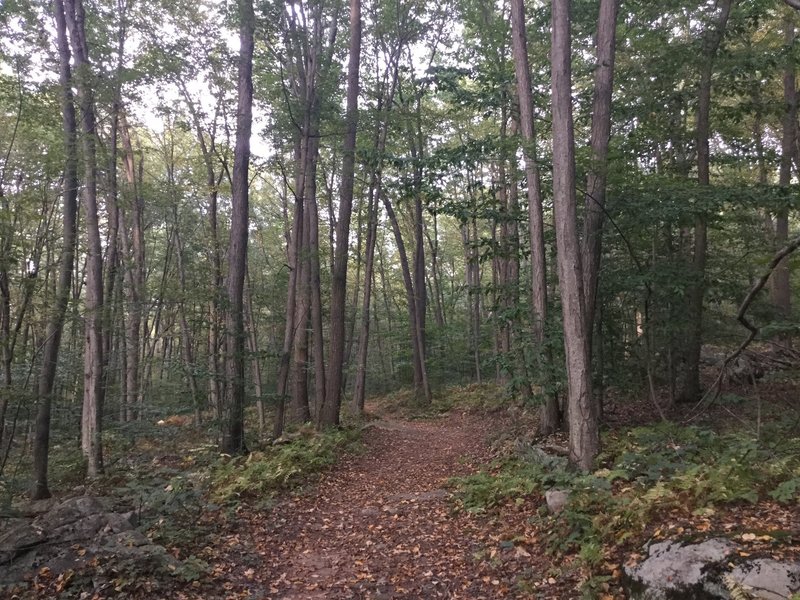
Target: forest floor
446 503
394 520
381 524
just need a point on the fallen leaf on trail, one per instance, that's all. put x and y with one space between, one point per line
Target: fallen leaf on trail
521 552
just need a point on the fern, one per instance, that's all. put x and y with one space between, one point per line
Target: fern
735 589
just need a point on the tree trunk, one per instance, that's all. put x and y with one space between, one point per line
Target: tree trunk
315 285
212 180
360 387
584 442
186 334
233 441
550 416
133 249
91 419
420 305
595 197
713 38
329 413
55 326
255 359
417 348
293 248
781 290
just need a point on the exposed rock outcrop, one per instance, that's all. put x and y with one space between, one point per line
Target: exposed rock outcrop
707 571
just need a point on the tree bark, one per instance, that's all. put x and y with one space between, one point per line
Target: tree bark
329 413
293 249
233 441
134 253
186 335
255 362
55 326
781 289
584 441
212 180
550 416
91 419
597 177
711 43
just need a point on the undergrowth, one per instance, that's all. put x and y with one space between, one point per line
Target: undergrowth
644 472
262 475
474 397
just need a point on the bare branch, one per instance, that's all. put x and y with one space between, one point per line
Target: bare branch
741 314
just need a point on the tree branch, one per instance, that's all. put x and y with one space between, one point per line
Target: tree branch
741 314
793 3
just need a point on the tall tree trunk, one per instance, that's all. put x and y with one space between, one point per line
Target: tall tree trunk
360 386
420 306
329 413
417 346
91 419
597 177
55 326
294 243
255 362
133 248
385 100
186 334
500 262
550 417
315 285
233 441
212 183
112 203
781 290
584 440
300 412
712 39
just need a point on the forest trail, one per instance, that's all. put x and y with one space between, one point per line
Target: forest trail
381 524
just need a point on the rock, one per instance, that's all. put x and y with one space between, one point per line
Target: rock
683 571
675 570
18 540
544 457
37 507
556 500
67 535
769 579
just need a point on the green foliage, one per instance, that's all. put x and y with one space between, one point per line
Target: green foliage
261 475
787 490
191 569
513 479
473 397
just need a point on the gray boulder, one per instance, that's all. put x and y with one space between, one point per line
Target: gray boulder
69 535
556 500
768 579
674 571
706 570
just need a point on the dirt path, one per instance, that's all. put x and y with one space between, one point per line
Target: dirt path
381 525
